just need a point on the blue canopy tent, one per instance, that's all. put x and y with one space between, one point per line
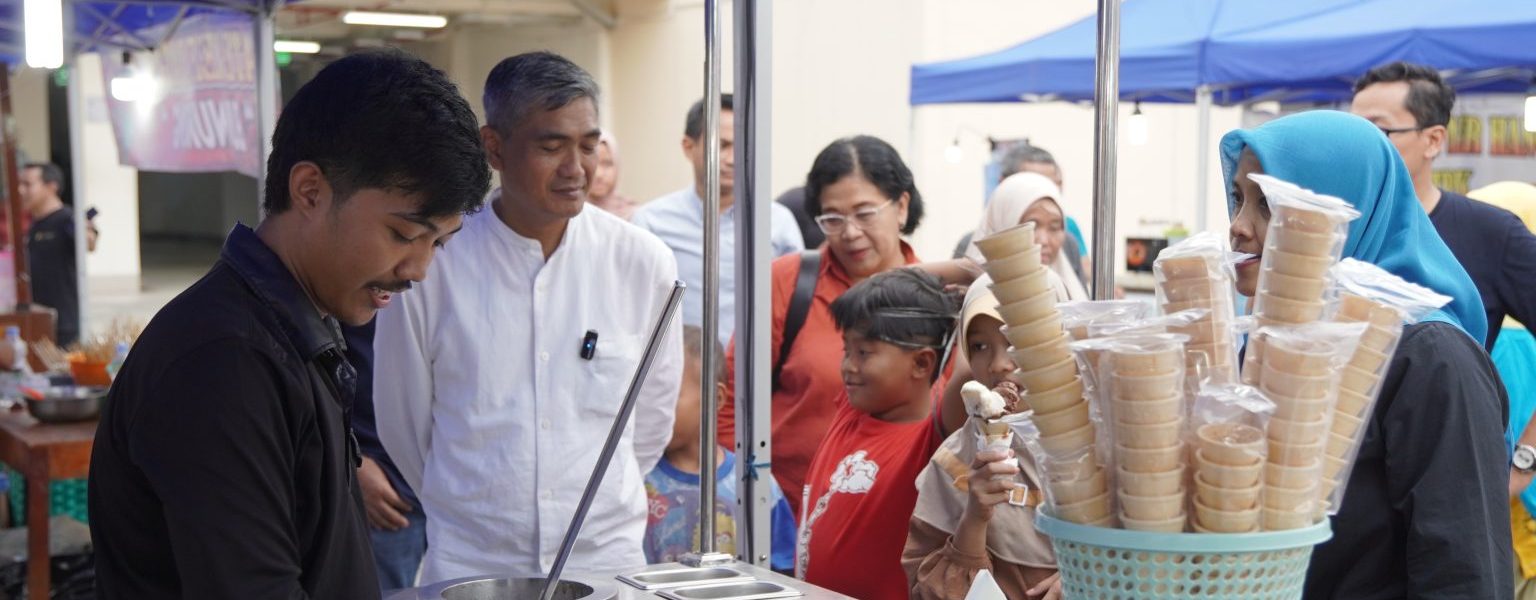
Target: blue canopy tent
127 25
1237 51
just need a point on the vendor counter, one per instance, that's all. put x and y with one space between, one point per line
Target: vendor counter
746 583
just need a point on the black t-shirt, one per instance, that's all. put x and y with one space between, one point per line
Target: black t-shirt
51 260
1497 250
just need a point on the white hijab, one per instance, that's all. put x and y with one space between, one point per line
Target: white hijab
1012 198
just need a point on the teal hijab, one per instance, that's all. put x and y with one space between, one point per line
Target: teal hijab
1343 155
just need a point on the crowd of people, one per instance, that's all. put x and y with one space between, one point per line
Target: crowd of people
403 375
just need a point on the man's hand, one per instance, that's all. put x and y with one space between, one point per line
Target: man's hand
386 510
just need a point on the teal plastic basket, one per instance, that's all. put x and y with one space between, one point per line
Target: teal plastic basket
1100 563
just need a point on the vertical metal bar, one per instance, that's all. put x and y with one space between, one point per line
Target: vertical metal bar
754 250
1106 113
711 273
1202 158
266 93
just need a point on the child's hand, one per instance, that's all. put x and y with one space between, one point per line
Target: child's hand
985 492
1050 589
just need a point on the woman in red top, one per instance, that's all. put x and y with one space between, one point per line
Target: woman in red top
864 199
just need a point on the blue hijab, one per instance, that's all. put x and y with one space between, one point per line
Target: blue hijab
1342 155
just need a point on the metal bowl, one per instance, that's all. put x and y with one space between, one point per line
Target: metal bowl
64 404
505 588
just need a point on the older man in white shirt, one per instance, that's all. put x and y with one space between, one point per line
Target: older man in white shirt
485 399
678 219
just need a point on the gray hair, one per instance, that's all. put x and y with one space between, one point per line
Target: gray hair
533 81
1013 160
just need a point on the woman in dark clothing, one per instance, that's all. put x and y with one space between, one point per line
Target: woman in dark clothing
1426 512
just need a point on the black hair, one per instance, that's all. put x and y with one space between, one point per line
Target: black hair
382 119
877 161
693 350
50 173
1430 99
907 307
542 81
1015 158
694 126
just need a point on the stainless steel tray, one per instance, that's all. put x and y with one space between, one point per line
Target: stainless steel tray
748 590
685 576
511 588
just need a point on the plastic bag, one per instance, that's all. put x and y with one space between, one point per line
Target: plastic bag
1197 274
1076 484
1227 425
1381 301
1306 236
1081 315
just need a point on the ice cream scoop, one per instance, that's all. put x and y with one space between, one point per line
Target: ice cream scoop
982 402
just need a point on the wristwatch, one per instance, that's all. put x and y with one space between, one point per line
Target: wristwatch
1524 459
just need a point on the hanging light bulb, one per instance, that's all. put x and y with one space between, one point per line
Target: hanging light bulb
132 85
43 29
954 154
1530 108
1136 127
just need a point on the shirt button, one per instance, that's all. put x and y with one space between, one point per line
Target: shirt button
544 356
544 424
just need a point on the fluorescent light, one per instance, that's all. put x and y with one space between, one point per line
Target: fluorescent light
127 88
384 19
954 154
43 28
295 47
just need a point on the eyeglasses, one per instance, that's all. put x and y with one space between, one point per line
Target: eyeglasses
1389 131
833 223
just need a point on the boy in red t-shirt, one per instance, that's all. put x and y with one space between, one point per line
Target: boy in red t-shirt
861 487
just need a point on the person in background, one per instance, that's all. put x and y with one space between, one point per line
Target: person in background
1426 508
1515 357
486 395
861 486
678 220
604 192
51 248
794 200
1412 105
1027 158
959 526
398 524
223 466
1031 198
865 200
672 488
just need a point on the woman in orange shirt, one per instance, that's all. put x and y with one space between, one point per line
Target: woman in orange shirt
864 199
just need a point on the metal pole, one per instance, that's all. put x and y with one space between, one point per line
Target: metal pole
1202 158
266 94
1106 107
13 194
711 274
611 444
754 250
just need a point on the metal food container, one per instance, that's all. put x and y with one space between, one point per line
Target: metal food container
64 404
511 588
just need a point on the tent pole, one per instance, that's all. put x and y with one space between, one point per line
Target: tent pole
754 250
266 94
1202 158
1106 113
707 549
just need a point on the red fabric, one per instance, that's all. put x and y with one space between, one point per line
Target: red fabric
861 491
812 377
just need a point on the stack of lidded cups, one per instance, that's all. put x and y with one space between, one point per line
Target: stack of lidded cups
1053 387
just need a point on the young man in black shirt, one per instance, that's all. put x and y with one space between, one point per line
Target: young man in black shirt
51 248
224 462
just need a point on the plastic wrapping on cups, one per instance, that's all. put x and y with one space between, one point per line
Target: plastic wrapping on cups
1305 239
1075 484
1229 450
1080 315
1197 273
1380 301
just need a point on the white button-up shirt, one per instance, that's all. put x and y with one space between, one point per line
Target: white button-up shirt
678 219
493 417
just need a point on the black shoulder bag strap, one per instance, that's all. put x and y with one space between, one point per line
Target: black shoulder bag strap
799 307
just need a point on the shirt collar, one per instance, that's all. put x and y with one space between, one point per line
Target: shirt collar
271 281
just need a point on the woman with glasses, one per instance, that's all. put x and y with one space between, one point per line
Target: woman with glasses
864 199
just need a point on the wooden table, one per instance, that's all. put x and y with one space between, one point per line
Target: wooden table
43 453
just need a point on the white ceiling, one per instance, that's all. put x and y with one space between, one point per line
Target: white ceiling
320 20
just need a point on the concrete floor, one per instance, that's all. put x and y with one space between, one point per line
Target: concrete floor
169 267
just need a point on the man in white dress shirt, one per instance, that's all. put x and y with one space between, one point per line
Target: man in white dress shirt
484 396
678 219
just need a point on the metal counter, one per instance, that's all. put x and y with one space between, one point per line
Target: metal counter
628 592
